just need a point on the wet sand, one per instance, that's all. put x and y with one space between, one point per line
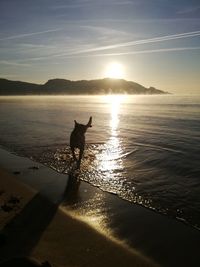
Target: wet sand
39 229
71 223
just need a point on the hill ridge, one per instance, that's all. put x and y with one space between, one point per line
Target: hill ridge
58 86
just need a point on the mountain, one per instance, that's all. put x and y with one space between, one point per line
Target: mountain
65 87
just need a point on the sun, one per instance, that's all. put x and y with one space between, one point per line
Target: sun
114 70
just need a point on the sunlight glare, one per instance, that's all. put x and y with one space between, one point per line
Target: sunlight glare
110 158
115 102
114 70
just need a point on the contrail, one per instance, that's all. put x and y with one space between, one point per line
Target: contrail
146 51
145 41
27 34
124 53
131 43
126 44
12 63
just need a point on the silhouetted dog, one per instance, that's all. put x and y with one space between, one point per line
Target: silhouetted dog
77 139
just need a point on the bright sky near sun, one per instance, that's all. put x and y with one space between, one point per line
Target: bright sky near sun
115 70
152 42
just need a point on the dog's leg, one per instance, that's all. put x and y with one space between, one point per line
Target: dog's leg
73 153
80 157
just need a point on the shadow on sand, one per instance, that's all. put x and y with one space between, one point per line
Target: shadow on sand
24 232
71 193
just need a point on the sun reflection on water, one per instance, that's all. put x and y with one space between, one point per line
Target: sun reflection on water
114 111
110 160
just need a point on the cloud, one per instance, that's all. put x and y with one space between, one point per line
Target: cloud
13 63
89 3
173 49
28 34
35 46
105 31
145 41
133 43
89 52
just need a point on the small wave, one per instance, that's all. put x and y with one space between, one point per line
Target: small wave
159 147
125 155
127 177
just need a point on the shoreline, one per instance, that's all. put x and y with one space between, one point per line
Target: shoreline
37 229
49 171
164 240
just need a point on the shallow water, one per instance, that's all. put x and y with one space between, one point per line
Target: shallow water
145 149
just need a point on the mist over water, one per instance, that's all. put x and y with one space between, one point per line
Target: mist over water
145 149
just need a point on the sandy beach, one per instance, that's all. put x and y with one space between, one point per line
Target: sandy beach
52 217
36 228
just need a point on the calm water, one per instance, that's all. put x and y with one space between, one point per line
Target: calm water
145 149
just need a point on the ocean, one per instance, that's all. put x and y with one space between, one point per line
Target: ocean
144 149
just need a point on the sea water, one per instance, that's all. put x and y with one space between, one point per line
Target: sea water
145 149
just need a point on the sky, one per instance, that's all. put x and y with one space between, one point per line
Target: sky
156 41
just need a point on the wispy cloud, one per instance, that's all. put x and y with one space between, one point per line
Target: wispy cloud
173 49
13 63
35 46
90 52
28 34
144 41
106 31
89 3
74 4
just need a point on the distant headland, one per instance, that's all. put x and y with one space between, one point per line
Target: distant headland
82 87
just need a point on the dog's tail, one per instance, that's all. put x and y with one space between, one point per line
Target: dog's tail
89 124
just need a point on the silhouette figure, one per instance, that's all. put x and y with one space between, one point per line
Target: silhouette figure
77 139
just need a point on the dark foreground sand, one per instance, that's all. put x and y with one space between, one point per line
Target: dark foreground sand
37 228
71 223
